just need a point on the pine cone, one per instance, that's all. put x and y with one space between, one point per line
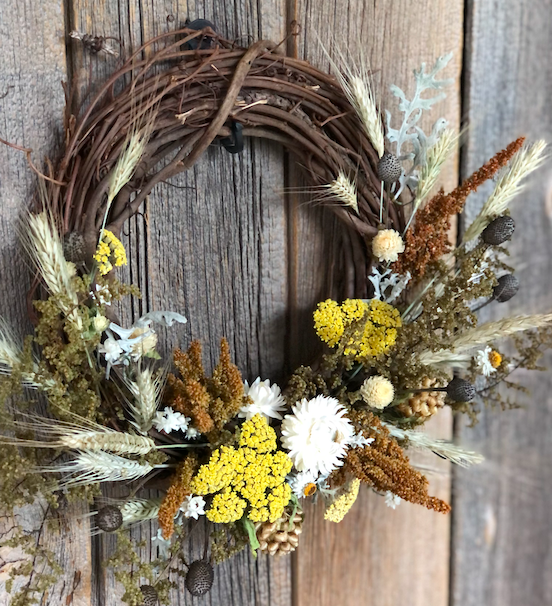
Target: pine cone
280 537
424 404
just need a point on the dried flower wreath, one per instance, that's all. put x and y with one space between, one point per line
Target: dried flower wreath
403 343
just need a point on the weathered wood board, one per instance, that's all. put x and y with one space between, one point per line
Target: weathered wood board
229 246
502 526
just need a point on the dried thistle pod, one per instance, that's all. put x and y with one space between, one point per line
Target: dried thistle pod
280 537
200 577
499 231
109 518
423 404
389 168
507 287
460 390
149 593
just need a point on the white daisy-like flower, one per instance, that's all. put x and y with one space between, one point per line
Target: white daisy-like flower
392 500
317 434
303 484
162 543
112 351
193 507
267 400
483 361
359 441
387 245
169 420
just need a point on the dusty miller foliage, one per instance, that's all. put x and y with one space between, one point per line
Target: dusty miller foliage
409 135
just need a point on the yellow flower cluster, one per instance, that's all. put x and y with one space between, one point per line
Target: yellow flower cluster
379 333
253 476
340 507
110 253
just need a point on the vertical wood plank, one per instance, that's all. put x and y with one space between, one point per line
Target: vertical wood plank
211 245
32 38
502 520
376 555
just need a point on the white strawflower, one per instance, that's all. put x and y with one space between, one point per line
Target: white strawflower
378 392
193 507
111 350
100 323
317 434
303 484
170 420
392 500
387 245
267 400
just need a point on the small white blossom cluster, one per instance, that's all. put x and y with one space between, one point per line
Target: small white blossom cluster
170 420
392 500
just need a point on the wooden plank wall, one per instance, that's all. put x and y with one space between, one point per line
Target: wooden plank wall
243 258
502 522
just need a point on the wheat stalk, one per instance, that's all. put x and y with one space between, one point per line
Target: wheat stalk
140 510
484 334
436 156
443 448
146 391
356 84
344 190
96 467
508 186
41 239
81 434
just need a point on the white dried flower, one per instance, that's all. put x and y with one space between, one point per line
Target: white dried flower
378 392
267 400
483 361
100 323
193 507
317 434
170 420
392 500
112 351
387 245
302 483
359 441
192 433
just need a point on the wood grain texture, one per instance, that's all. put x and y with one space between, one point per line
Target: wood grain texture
31 111
211 245
376 555
503 521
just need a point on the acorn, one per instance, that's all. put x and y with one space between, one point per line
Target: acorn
507 287
389 168
73 247
149 593
200 577
460 390
109 518
499 231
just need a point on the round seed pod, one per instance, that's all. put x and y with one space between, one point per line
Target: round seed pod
150 595
499 231
389 168
73 247
460 390
507 287
200 577
109 518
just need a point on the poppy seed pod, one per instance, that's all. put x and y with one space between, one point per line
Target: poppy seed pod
460 390
499 231
507 287
200 577
109 518
150 596
389 168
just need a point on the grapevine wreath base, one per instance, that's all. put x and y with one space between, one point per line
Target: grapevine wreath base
401 343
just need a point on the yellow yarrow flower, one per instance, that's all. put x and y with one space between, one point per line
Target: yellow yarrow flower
340 507
109 253
250 476
372 339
